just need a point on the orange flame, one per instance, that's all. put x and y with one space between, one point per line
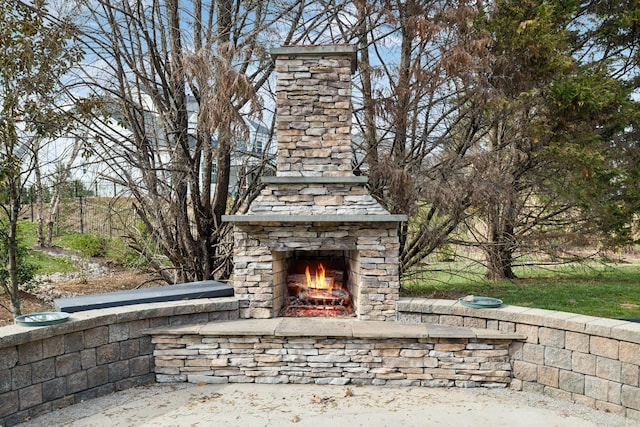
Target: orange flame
320 282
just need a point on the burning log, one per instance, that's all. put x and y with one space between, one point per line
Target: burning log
321 294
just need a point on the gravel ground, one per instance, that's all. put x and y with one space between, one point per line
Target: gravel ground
191 405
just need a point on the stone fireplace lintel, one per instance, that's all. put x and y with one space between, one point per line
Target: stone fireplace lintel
338 219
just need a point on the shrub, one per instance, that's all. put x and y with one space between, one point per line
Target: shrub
89 245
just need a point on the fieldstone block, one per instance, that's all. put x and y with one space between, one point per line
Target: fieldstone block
571 381
507 327
104 390
118 370
146 346
8 357
136 327
129 349
614 390
73 342
557 394
629 352
30 352
88 358
68 364
611 408
107 353
533 353
53 346
5 380
43 370
525 371
548 376
20 377
551 337
118 332
604 347
583 363
54 389
8 403
96 337
97 376
557 357
630 374
577 342
140 366
608 369
77 382
630 397
531 331
596 388
30 396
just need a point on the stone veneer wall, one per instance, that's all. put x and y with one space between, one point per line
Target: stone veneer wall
377 245
313 100
587 360
94 353
436 362
351 198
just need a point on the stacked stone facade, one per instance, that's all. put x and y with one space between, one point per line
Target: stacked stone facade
301 198
273 360
293 351
371 249
314 110
315 203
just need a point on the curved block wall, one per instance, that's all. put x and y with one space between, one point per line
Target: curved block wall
588 360
95 353
584 359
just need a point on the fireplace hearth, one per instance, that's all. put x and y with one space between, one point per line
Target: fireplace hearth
315 210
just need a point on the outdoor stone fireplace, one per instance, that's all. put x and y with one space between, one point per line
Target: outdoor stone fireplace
315 213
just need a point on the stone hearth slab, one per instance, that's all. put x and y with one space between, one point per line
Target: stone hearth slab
332 328
437 331
372 329
247 327
315 327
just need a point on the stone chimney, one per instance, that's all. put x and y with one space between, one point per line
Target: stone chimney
315 207
314 110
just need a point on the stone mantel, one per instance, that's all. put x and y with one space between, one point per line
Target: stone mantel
276 218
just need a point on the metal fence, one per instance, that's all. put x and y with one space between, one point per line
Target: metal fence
96 215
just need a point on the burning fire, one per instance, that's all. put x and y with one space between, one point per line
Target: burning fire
321 282
317 293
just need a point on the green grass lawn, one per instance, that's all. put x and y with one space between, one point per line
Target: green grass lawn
596 289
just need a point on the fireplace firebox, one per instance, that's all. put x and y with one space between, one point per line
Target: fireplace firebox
315 213
317 283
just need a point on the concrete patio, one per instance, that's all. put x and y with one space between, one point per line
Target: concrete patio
310 405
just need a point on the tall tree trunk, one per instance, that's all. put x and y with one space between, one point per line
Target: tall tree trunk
370 134
12 243
38 195
223 173
501 241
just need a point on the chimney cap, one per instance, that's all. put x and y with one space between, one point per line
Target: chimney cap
319 51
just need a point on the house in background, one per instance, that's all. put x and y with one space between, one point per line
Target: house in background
95 161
